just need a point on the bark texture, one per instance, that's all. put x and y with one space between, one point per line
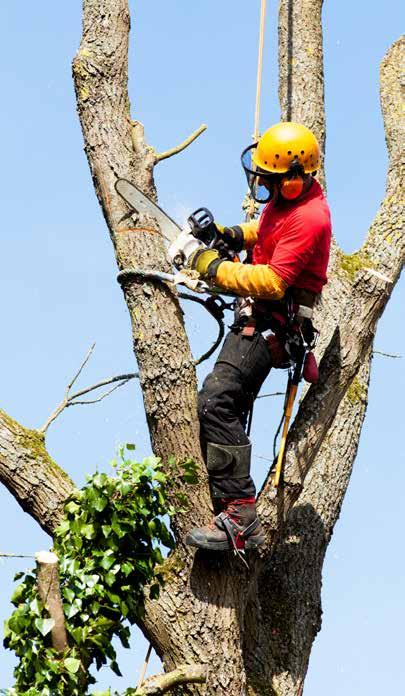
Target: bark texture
301 83
253 629
30 474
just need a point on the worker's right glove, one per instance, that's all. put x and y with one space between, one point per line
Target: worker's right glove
205 262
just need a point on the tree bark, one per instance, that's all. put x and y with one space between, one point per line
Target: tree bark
39 485
49 592
301 83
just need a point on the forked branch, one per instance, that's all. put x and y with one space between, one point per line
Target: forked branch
74 399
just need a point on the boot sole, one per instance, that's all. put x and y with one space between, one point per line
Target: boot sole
207 545
224 545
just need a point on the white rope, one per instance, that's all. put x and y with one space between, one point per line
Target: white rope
249 206
256 132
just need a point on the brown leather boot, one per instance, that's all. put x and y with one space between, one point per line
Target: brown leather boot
237 527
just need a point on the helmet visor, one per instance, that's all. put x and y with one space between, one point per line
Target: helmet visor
259 181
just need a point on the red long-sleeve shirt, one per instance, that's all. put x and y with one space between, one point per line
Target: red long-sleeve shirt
290 244
295 240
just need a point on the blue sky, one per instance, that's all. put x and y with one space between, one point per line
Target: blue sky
191 63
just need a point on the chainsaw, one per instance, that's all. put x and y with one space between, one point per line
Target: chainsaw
181 241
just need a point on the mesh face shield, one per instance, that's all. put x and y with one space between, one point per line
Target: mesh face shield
260 182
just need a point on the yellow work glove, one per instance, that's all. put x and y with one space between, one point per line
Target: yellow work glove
205 262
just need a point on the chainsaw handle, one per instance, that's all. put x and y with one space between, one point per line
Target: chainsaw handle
201 218
202 226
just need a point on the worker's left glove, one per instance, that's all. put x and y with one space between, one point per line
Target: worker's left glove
228 240
205 262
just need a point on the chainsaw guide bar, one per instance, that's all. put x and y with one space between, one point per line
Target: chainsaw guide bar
143 205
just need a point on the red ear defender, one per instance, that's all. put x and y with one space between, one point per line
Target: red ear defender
291 188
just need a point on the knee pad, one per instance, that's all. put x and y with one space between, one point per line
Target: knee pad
228 461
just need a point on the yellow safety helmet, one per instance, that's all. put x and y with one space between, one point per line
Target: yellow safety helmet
285 144
280 159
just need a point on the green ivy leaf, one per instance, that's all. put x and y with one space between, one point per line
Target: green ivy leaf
63 528
72 609
127 568
154 591
116 526
107 562
18 595
35 607
71 508
88 531
68 594
115 668
72 664
44 626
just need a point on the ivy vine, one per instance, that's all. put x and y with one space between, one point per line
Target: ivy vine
109 548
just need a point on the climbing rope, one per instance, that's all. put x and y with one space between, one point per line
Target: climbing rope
214 304
256 133
216 311
249 206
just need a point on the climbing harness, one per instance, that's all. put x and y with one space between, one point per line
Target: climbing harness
299 337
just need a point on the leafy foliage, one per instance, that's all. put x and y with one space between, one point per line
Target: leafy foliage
109 550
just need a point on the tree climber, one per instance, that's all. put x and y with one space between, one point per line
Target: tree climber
287 258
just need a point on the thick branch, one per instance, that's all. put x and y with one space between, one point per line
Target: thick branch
31 476
290 585
293 578
384 248
371 287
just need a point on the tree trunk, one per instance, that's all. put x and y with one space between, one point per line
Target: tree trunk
115 147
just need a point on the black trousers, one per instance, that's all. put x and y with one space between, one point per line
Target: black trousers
227 395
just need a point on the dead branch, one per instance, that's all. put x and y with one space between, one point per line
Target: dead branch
144 666
175 150
73 399
49 592
387 355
